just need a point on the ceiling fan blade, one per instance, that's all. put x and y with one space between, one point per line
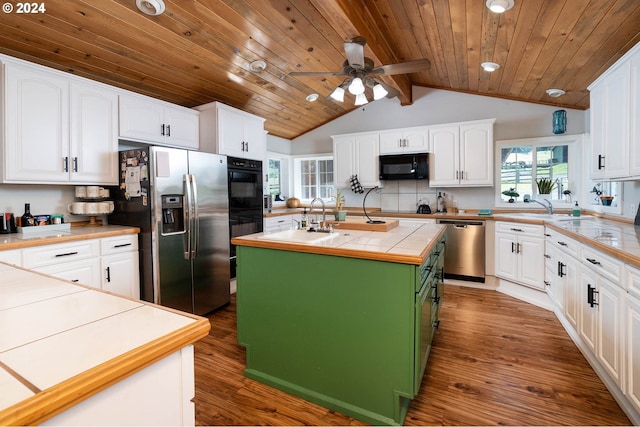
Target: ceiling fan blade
403 67
355 52
316 73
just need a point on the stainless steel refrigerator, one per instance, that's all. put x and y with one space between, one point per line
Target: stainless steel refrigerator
179 199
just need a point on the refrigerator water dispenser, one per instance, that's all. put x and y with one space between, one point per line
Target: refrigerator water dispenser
172 214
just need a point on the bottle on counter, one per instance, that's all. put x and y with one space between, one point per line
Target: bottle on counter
27 220
576 210
440 206
303 220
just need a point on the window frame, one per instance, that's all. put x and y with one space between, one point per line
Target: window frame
285 176
297 181
573 143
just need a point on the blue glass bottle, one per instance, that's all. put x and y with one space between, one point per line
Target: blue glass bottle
559 121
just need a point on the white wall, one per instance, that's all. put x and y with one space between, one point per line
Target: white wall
44 199
514 120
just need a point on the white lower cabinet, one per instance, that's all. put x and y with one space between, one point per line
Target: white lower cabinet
588 310
609 344
520 253
110 263
281 222
632 374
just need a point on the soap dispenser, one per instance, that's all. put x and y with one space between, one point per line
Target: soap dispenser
303 220
576 210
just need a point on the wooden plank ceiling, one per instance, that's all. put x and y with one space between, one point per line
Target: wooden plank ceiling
199 51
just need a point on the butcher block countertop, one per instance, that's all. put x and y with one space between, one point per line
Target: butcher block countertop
405 244
62 342
76 233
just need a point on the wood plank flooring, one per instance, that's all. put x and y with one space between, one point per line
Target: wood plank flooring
494 361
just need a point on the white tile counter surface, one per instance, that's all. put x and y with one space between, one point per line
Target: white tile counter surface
407 244
76 233
54 330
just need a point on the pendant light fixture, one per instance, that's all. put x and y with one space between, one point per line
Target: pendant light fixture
559 117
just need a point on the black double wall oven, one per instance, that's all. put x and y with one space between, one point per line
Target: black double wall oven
245 200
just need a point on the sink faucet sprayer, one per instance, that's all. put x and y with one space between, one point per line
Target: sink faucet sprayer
548 206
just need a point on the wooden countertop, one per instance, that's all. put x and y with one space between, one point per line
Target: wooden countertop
402 244
76 233
62 342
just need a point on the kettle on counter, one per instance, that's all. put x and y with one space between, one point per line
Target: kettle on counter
424 209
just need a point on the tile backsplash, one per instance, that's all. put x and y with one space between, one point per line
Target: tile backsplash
406 195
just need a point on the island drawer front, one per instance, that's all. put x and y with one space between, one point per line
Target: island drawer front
564 243
119 244
59 253
603 264
520 229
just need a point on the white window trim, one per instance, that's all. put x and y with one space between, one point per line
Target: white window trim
296 173
286 187
574 143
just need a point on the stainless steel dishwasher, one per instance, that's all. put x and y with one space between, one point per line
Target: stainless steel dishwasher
464 255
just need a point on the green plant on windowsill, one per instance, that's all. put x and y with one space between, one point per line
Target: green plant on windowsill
546 185
511 193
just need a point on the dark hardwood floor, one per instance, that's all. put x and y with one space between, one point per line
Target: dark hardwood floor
494 361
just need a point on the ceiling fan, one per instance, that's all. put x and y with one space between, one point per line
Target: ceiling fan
360 72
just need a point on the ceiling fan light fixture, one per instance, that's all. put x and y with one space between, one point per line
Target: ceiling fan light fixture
379 92
361 99
490 66
150 7
499 6
554 93
356 87
338 94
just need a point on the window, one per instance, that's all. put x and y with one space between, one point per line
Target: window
275 178
523 162
314 177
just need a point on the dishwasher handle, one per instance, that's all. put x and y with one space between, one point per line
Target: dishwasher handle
462 224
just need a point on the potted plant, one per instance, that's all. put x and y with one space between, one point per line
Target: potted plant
511 193
339 213
545 185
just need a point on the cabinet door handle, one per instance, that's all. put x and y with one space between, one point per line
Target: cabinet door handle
513 247
600 161
457 175
65 164
122 245
75 164
168 130
591 295
242 146
593 261
246 144
66 254
518 248
561 267
162 129
108 274
547 283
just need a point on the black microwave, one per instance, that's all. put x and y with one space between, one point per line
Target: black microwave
404 166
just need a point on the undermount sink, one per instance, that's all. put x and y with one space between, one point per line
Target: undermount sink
298 236
546 216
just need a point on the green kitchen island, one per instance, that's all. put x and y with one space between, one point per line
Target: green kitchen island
341 319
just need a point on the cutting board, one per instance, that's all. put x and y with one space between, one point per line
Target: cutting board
361 224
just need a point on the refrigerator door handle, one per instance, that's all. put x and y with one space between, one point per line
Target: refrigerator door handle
186 238
196 218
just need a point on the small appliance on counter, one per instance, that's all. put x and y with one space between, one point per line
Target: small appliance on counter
424 209
8 223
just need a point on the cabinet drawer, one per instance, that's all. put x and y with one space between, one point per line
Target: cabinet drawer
60 253
519 229
632 277
603 264
114 245
564 243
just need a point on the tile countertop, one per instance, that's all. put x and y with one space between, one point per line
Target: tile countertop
406 244
62 342
76 233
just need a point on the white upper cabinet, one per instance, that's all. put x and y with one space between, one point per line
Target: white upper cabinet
227 130
614 101
149 120
94 134
356 154
58 128
462 154
408 140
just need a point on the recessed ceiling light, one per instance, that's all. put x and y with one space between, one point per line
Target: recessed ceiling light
257 66
499 6
312 97
490 66
554 93
150 7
